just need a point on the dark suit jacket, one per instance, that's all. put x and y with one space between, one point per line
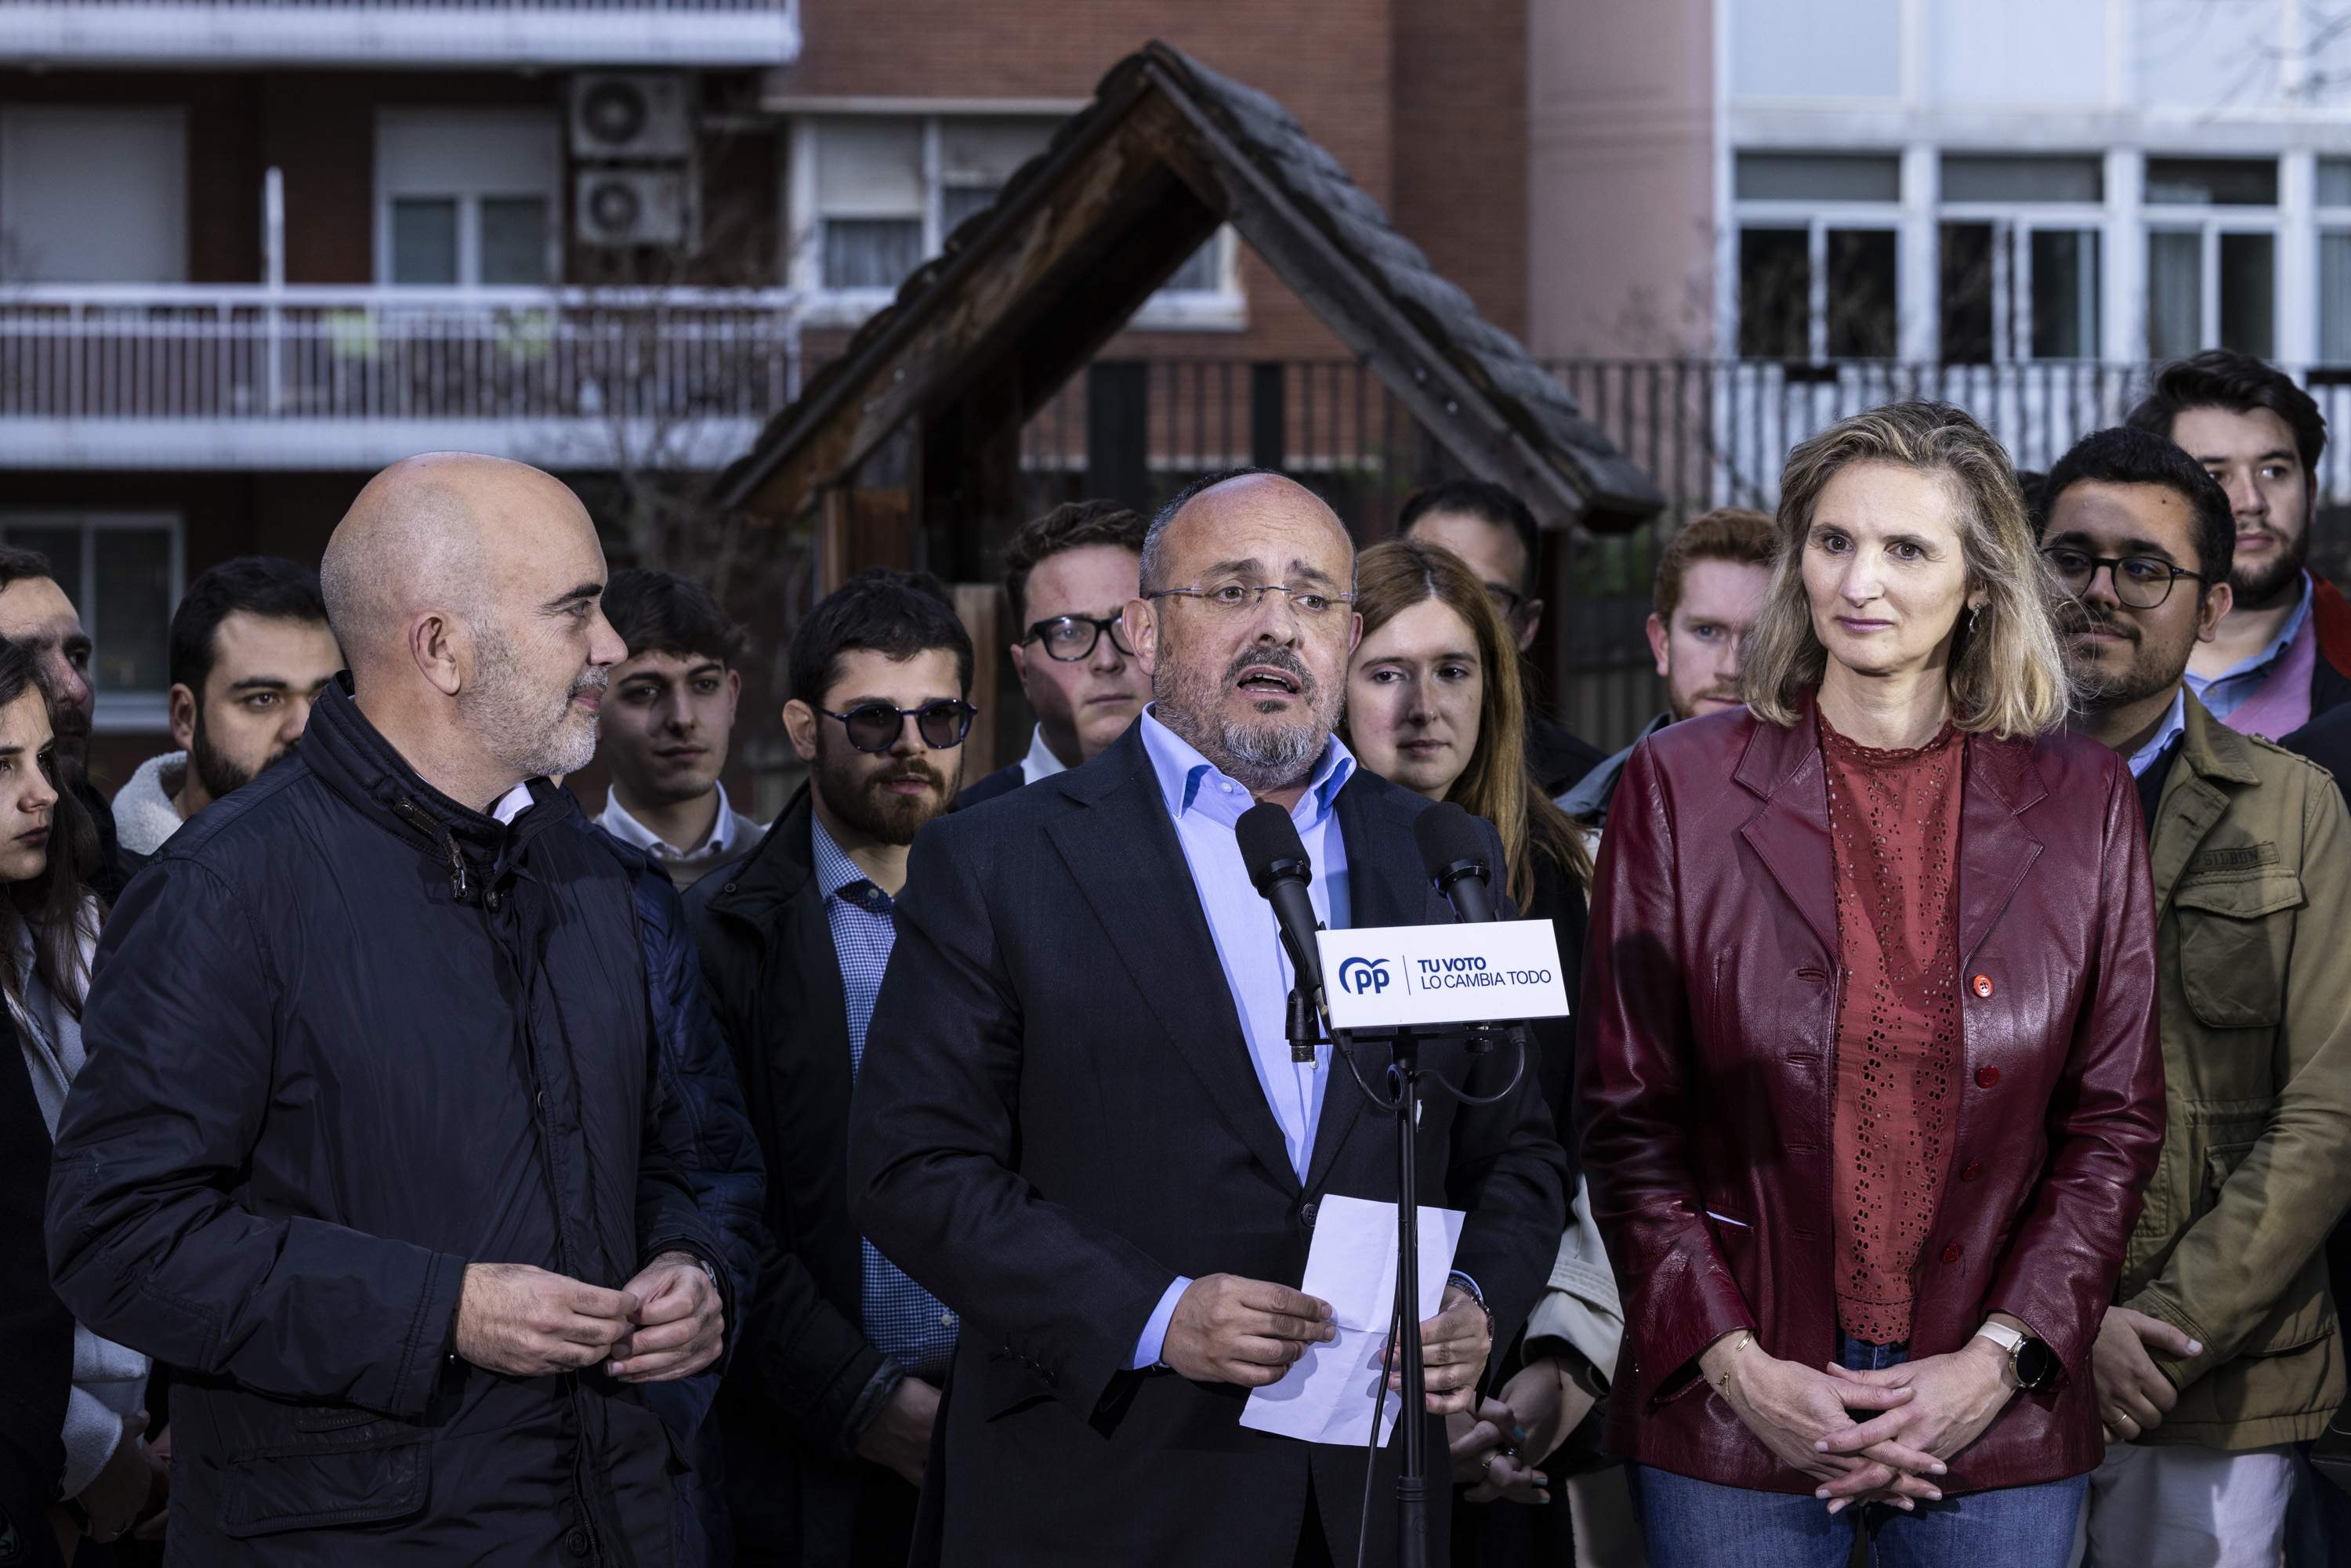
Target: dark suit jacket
1557 757
36 1336
1003 781
803 1360
1058 1115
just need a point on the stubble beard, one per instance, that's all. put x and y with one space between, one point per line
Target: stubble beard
1272 754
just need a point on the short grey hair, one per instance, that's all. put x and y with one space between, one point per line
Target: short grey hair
1155 538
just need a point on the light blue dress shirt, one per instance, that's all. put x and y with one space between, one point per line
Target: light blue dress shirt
1204 804
2223 694
2175 724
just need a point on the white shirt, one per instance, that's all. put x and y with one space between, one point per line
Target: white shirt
730 834
1041 762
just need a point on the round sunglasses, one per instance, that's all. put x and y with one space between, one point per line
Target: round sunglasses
876 726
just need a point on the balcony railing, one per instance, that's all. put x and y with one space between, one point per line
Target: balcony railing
516 33
313 377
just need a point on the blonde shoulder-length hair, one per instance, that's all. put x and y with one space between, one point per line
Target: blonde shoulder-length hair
2007 667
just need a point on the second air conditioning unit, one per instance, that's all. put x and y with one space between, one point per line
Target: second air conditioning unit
630 117
630 207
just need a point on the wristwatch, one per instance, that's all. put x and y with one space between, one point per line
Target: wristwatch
2033 1363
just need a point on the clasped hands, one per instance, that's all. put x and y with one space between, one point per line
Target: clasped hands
1925 1412
2134 1395
1226 1329
666 1323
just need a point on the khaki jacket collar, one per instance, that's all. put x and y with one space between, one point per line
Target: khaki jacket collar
2217 761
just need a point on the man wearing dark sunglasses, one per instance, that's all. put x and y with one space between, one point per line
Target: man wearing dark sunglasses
1068 576
2218 1356
826 1414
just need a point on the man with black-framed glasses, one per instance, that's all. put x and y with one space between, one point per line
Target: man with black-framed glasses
827 1412
2218 1356
1066 578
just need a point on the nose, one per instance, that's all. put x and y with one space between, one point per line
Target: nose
1107 658
1734 650
1859 585
296 721
2246 498
71 684
605 648
40 794
2091 592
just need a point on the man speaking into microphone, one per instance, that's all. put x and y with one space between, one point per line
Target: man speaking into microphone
1081 1124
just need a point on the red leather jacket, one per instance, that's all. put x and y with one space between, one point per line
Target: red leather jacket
1706 1061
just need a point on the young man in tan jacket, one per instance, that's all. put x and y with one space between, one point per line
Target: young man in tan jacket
2221 1353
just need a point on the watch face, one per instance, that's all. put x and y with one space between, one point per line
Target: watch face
2036 1364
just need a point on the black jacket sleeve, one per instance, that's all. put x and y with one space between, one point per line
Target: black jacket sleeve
36 1333
146 1243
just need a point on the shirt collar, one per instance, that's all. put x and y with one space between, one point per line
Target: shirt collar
1190 782
720 842
513 804
2277 645
1041 762
833 868
2175 722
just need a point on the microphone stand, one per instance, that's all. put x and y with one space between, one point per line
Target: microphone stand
1411 1479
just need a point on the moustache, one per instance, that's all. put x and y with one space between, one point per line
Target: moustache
910 769
1274 657
595 680
2084 617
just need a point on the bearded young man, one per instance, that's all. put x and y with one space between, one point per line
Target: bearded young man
373 1147
1082 1123
2282 655
827 1417
2218 1356
251 652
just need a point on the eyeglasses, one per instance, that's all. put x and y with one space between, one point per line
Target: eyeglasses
1070 638
1240 597
876 726
2141 582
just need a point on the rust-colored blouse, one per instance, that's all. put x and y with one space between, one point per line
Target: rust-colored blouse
1894 821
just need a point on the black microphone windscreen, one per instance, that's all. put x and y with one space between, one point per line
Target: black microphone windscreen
1447 835
1267 837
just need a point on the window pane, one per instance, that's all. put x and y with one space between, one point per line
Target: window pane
1775 295
1861 294
424 239
133 614
514 239
957 202
987 151
1819 177
2333 299
2065 294
61 545
1202 272
2248 293
869 168
870 252
2175 294
2212 181
2334 181
1967 293
1968 178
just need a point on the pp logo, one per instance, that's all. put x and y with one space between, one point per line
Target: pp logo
1364 977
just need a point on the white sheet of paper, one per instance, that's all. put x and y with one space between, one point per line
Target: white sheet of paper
1327 1394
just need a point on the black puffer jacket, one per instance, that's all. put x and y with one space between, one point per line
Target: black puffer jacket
347 1036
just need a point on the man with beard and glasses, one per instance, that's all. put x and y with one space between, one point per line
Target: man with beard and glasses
2218 1356
250 653
37 613
2282 655
376 1146
1707 594
1082 1123
826 1416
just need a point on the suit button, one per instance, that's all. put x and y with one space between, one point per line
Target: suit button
1987 1077
1974 1169
1954 1252
1306 1215
1981 985
575 1542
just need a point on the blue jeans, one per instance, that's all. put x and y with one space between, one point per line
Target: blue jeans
1697 1524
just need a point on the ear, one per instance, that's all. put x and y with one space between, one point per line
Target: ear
1019 652
442 650
800 721
734 693
183 709
2218 600
1354 635
1141 619
1530 615
1658 645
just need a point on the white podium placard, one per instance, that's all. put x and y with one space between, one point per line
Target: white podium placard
1386 977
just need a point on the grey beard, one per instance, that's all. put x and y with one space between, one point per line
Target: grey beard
1261 759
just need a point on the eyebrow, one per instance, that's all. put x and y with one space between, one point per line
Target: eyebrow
587 590
2274 454
2075 538
261 684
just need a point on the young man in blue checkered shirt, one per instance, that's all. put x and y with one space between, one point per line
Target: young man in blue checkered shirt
827 1410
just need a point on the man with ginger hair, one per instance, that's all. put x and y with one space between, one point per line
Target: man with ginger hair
370 1148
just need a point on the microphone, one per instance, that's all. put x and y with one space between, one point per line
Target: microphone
1452 852
1283 874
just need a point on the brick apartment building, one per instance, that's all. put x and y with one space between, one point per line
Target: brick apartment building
250 253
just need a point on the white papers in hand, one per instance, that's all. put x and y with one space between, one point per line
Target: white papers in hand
1327 1394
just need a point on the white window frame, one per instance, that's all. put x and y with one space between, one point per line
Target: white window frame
117 711
1816 219
468 190
2013 225
1223 309
2210 223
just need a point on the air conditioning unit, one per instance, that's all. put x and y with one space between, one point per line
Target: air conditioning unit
631 117
630 207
